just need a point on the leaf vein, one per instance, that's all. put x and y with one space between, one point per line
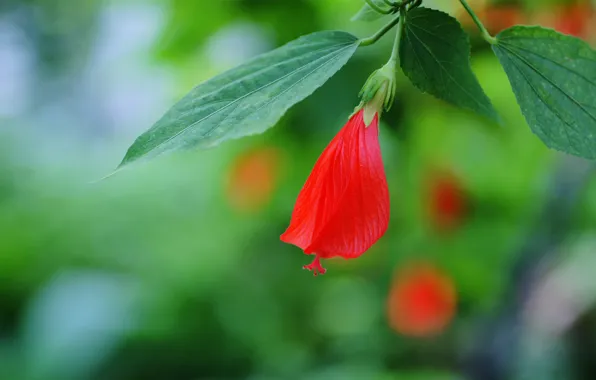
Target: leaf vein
449 75
529 64
550 60
548 105
262 71
335 54
446 41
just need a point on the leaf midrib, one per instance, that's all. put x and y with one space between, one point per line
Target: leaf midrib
249 76
445 41
555 85
263 71
548 105
550 60
336 53
447 72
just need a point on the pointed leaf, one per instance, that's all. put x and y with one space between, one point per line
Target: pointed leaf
435 56
553 77
248 99
367 14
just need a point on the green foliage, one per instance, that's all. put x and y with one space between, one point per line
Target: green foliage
554 80
162 262
248 99
367 14
553 77
435 56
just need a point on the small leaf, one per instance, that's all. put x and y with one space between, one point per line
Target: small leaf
435 56
367 14
248 99
553 77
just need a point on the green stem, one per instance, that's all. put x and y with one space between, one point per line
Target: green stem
375 37
485 34
400 29
376 7
414 4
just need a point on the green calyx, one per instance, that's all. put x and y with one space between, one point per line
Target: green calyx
378 93
383 76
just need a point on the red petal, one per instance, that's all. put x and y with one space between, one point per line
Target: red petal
343 208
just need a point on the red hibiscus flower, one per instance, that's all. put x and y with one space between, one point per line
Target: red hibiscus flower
343 208
422 301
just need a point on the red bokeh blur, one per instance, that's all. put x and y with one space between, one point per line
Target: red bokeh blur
445 200
574 18
500 17
422 300
495 17
253 178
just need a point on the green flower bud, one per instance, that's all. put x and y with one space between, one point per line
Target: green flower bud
378 93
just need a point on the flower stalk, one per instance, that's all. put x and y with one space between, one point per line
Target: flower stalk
485 34
377 36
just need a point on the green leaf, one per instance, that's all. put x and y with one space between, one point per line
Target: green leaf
435 56
248 99
553 77
367 14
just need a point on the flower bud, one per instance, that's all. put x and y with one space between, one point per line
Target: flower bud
378 93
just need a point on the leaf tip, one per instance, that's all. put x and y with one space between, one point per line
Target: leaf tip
94 182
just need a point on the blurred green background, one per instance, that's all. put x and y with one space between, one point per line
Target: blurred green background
174 269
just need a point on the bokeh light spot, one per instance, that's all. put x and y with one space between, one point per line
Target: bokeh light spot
253 178
445 201
422 301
